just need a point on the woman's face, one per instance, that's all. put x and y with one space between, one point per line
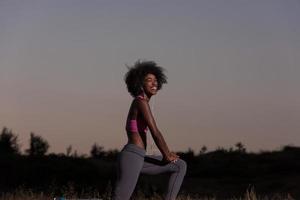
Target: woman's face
150 84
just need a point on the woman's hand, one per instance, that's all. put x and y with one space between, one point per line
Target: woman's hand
172 157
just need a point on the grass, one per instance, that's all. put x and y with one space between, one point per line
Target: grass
21 194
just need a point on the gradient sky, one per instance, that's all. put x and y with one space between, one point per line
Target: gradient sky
233 71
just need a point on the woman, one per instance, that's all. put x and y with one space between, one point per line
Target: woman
143 80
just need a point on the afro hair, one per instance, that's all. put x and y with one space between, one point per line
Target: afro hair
135 76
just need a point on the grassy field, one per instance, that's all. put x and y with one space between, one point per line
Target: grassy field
68 195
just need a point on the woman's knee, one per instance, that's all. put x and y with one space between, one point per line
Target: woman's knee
181 165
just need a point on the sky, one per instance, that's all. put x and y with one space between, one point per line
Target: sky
233 71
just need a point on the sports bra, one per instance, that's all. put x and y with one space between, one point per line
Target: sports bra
136 125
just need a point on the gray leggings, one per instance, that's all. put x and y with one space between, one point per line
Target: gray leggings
132 161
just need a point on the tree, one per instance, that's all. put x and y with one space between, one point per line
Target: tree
97 151
69 150
112 154
8 142
188 156
203 149
38 145
240 147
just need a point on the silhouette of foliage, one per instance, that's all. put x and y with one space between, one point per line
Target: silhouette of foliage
203 150
111 155
97 151
222 172
240 147
69 150
8 142
38 146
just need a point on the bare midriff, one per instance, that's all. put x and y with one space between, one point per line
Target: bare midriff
139 139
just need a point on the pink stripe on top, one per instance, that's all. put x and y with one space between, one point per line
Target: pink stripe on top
136 125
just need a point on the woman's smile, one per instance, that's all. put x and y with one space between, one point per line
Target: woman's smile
150 84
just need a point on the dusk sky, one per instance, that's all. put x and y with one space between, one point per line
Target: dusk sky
233 71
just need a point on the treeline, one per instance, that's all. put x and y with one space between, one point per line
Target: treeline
39 146
222 172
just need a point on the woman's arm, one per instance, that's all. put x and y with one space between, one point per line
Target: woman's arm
144 108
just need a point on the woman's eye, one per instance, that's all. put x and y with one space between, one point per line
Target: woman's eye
150 80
